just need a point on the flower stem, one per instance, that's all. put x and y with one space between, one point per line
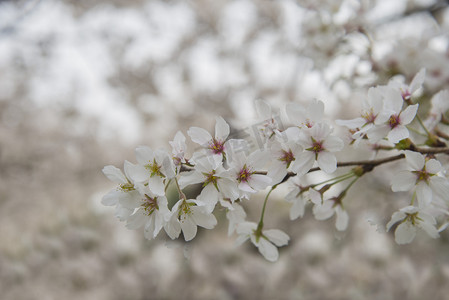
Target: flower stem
180 192
260 225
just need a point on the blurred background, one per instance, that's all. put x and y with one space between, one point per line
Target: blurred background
84 82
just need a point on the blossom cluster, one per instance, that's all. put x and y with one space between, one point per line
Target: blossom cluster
230 172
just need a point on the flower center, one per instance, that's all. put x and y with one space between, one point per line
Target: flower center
154 169
406 95
369 116
210 178
394 121
216 146
244 174
422 175
412 218
150 204
127 187
287 157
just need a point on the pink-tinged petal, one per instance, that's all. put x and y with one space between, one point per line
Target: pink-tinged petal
202 218
156 185
111 198
277 237
221 129
327 162
403 181
433 166
408 114
297 209
333 144
260 182
342 219
136 173
144 155
405 233
415 160
398 133
114 174
351 124
417 81
424 194
263 109
440 186
199 136
268 250
303 163
189 228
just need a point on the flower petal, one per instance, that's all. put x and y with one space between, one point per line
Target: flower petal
403 181
415 160
398 133
327 162
277 237
268 250
221 129
114 174
405 233
199 135
408 114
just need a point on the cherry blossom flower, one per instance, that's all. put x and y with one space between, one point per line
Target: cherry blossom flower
179 148
244 171
423 176
408 91
267 241
284 158
411 219
299 196
319 145
371 107
305 117
216 145
186 216
124 195
235 215
329 207
154 167
391 122
150 212
217 182
269 127
440 105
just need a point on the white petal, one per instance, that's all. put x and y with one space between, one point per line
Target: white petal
297 209
415 160
377 133
327 162
324 211
202 218
114 174
424 194
417 81
396 217
199 135
144 155
156 185
351 124
398 133
208 197
111 198
440 186
277 171
221 129
408 114
268 250
405 233
136 220
320 131
228 188
277 237
188 178
263 109
315 196
403 181
433 166
303 163
260 182
342 220
136 172
244 186
333 144
429 229
188 227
